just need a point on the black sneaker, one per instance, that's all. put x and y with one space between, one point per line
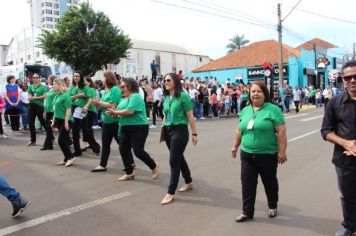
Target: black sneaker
19 207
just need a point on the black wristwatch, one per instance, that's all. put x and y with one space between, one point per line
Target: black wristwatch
195 134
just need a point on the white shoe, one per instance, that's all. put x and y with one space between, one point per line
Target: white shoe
202 118
94 127
3 136
153 127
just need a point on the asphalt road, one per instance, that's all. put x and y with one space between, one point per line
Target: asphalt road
309 199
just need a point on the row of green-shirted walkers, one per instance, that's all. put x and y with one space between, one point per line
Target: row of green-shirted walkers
124 119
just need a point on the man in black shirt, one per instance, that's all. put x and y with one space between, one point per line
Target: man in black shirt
339 127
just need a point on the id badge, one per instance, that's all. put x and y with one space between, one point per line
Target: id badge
250 124
169 118
35 95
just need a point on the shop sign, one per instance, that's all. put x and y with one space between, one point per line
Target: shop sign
259 72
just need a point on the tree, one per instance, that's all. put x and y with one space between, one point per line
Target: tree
86 40
237 42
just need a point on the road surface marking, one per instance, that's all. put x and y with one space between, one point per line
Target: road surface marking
59 214
288 117
312 118
304 135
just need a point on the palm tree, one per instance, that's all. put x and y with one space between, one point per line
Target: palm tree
237 42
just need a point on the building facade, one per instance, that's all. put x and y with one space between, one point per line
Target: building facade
45 14
307 65
169 57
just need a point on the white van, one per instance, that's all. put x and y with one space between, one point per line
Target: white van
23 71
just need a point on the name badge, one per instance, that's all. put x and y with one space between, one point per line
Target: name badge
35 94
169 118
250 125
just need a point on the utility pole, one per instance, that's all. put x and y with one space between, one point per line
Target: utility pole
280 56
354 51
280 53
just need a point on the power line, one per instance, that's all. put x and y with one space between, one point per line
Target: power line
214 14
327 17
291 10
230 11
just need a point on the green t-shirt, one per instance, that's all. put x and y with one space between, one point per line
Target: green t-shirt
262 138
313 93
92 93
244 97
133 103
61 103
175 109
80 102
112 96
37 92
49 101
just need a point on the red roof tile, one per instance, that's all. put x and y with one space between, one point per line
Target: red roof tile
310 44
252 55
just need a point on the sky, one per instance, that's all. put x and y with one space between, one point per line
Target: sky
203 29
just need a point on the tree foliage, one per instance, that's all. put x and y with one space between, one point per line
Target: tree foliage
236 43
86 40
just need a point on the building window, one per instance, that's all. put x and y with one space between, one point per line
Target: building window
48 4
56 19
21 60
37 54
43 12
200 59
56 6
48 11
43 19
56 13
49 26
42 4
49 18
69 1
28 57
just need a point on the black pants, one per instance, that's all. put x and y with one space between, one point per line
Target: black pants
6 116
34 111
312 100
108 132
77 126
64 141
234 105
148 108
49 132
296 103
91 120
215 110
1 128
266 166
206 109
347 186
154 75
177 138
134 136
156 110
14 118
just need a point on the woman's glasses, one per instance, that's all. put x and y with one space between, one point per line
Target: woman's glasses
167 80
